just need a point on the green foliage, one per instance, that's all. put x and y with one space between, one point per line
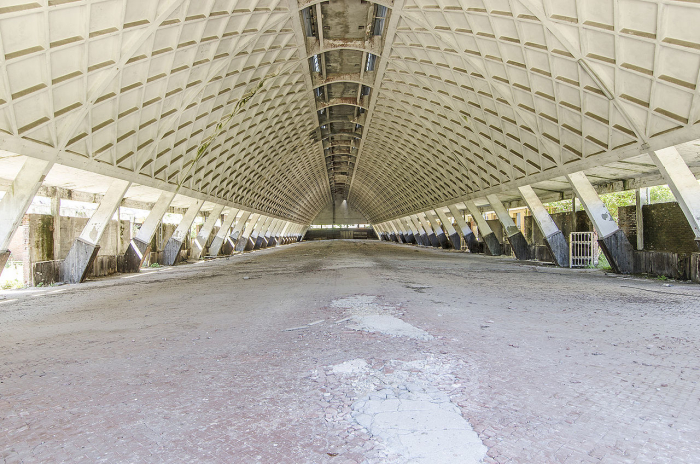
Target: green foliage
603 263
614 200
661 194
12 285
155 265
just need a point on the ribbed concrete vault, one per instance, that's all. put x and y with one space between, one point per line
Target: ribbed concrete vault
280 106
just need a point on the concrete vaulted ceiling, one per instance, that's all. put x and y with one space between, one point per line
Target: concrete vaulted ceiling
395 106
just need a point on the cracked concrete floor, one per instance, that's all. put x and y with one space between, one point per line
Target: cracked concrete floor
198 364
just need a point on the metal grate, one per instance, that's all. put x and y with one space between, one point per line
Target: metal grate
583 249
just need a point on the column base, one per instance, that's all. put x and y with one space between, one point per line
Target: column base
265 241
442 240
171 253
250 244
227 247
4 256
559 248
411 238
136 254
300 238
520 247
456 241
472 243
79 261
393 238
697 242
425 241
272 242
492 243
258 243
215 247
619 252
434 240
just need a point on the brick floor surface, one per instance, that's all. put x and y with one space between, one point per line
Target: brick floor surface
194 364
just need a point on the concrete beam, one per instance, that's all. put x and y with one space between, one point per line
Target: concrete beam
221 235
15 203
202 237
260 238
553 237
521 249
238 228
430 233
439 232
171 252
410 233
467 234
242 242
612 240
423 234
84 250
683 184
487 234
140 245
452 234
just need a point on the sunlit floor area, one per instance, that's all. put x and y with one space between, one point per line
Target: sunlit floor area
352 352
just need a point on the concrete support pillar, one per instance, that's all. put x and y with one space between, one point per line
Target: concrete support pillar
613 241
397 232
288 231
282 235
487 234
642 197
244 238
431 234
452 234
221 235
270 236
255 233
521 249
303 232
267 235
84 250
422 233
467 234
238 228
260 238
17 200
410 233
683 184
386 232
437 228
202 237
140 245
171 252
555 240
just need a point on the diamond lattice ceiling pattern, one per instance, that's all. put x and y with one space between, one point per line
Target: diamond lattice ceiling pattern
396 106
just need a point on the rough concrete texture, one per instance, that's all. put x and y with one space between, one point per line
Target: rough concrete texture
519 245
472 243
559 248
136 254
241 243
258 242
215 247
492 243
619 252
393 237
425 241
195 363
272 242
456 241
4 256
79 261
410 238
434 240
171 252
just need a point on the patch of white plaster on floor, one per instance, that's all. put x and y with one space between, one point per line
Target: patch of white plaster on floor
402 408
389 325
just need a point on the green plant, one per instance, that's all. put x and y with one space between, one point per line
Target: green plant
12 285
603 263
155 265
661 277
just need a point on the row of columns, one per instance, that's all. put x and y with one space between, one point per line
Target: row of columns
424 228
242 230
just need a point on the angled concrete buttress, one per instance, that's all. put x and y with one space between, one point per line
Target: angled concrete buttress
521 249
683 184
393 235
553 237
140 245
288 230
409 230
244 238
467 234
452 234
282 237
431 234
17 200
305 229
221 235
270 235
423 234
238 228
612 240
265 233
398 230
381 233
171 252
439 231
84 250
487 234
260 238
385 232
202 237
405 233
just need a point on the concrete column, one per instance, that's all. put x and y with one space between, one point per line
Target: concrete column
202 237
422 233
17 200
612 240
56 217
255 233
437 228
683 184
221 235
171 252
238 228
521 249
270 236
84 250
416 230
140 246
266 233
555 240
303 232
405 232
383 232
642 197
244 238
282 235
410 234
452 234
397 232
487 234
467 234
260 231
432 234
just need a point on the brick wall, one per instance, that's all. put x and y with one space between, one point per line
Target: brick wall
665 228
